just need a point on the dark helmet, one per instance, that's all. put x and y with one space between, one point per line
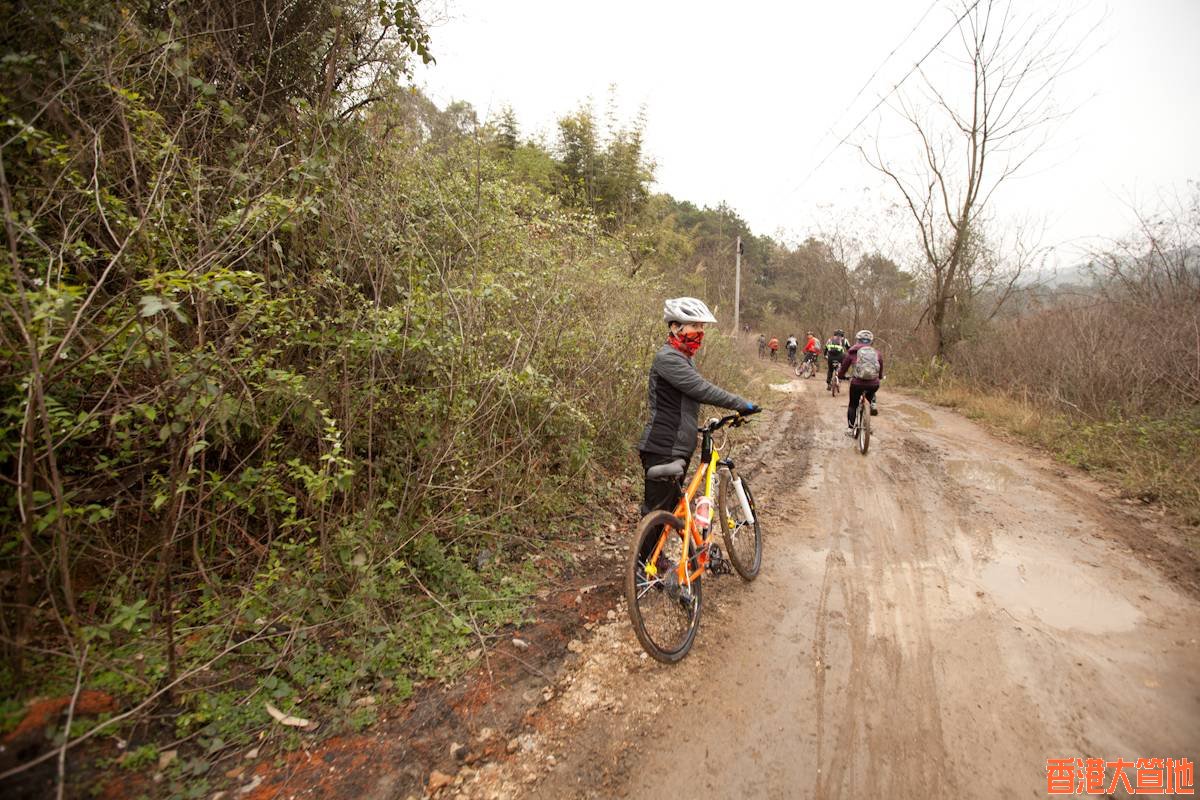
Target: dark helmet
839 332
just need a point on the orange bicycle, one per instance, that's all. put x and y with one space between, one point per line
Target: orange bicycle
672 551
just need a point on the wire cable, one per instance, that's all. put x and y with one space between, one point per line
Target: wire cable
888 58
883 99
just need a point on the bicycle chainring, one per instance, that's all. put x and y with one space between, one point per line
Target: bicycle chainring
717 563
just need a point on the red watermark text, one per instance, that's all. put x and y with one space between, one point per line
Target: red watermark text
1140 776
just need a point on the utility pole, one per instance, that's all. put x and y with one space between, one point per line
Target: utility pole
737 289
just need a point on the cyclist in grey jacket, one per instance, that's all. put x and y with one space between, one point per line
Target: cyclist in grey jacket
676 392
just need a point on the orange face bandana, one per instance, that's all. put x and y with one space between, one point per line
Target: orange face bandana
686 343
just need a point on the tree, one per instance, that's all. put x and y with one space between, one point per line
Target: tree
507 133
579 154
605 170
971 138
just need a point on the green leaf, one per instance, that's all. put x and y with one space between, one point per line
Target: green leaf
151 304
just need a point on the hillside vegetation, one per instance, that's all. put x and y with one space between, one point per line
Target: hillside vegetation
299 370
303 377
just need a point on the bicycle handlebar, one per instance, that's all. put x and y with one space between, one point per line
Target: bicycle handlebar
733 419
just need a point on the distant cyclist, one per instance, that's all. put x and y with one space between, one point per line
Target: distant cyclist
762 346
773 346
835 351
812 348
791 345
864 365
676 391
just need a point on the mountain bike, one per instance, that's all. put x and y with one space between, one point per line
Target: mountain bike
806 369
834 383
862 424
671 552
791 357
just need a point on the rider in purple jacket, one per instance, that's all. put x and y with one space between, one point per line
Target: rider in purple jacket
861 385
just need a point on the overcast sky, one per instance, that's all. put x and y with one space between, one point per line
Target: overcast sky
740 99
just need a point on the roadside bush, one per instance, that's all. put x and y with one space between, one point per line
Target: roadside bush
290 387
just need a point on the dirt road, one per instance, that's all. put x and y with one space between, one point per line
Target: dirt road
935 619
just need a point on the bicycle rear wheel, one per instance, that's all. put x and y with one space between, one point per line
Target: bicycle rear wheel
864 425
665 615
836 386
743 539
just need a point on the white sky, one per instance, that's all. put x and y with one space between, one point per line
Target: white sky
739 98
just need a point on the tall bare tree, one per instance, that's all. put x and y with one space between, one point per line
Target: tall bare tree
975 120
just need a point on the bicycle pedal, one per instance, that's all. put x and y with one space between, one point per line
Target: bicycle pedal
718 564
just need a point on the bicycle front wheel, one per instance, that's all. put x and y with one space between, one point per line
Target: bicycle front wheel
665 615
743 539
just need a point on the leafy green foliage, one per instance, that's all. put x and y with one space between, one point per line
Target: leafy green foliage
297 372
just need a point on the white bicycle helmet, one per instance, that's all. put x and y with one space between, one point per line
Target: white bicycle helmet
866 336
686 309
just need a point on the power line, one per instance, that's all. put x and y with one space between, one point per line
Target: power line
889 93
888 58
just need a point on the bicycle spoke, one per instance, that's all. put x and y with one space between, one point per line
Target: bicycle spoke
646 581
666 613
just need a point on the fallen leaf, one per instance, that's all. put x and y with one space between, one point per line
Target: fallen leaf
286 719
252 785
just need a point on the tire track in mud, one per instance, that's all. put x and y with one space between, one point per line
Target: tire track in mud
884 608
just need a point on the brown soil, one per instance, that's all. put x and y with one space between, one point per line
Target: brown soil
41 712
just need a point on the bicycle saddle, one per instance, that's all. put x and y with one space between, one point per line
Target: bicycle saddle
672 469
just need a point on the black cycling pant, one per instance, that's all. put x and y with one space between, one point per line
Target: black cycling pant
661 493
855 393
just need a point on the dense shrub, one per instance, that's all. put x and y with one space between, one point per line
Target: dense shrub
296 372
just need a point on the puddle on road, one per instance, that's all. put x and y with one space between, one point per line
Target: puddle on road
985 474
922 419
1059 593
787 388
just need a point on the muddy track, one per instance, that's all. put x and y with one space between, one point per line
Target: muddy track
935 619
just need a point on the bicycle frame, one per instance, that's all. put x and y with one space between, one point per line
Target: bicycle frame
706 476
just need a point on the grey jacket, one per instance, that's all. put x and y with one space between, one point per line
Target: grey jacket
676 391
